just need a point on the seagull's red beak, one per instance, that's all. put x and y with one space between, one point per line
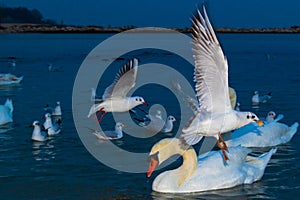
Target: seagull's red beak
145 103
152 165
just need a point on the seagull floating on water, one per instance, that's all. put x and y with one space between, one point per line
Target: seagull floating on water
271 116
38 134
256 98
6 112
51 127
110 135
9 79
157 124
215 115
56 111
114 97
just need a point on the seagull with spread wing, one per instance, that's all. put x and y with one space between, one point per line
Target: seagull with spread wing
215 115
114 97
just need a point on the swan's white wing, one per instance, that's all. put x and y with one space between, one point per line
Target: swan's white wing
211 68
124 81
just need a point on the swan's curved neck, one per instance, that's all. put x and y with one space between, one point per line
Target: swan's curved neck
169 147
188 167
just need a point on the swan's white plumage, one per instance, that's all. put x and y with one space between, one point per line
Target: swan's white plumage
271 134
211 172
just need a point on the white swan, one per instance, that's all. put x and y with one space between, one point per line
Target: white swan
271 134
6 112
38 134
208 172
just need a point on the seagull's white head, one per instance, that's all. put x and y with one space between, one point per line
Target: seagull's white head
47 116
172 119
270 116
36 123
251 117
139 100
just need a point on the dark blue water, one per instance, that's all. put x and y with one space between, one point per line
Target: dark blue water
63 168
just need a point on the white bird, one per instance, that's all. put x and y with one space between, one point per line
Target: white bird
168 127
157 124
38 134
215 115
114 97
110 135
56 111
256 98
271 134
9 79
271 116
52 128
6 112
208 171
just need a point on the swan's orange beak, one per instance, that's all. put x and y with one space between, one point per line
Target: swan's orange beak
260 123
152 165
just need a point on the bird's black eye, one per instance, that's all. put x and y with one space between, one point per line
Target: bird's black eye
253 116
136 99
248 116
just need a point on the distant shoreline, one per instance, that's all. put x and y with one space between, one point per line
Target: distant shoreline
41 28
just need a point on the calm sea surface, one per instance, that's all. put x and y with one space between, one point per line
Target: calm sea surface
62 168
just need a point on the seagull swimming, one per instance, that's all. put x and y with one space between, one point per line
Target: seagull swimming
256 98
114 97
215 115
38 134
52 128
56 111
157 124
110 135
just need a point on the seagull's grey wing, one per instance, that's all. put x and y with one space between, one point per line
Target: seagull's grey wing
211 68
111 134
124 81
99 134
